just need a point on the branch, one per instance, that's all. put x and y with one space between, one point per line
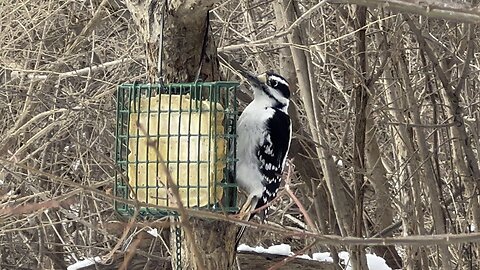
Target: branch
78 72
290 28
430 53
436 9
412 240
97 18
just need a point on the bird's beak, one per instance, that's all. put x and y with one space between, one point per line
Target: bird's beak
252 79
262 78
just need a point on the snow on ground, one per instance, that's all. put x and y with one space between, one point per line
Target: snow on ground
322 256
374 262
282 249
84 263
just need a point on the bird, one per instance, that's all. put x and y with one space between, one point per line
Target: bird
264 133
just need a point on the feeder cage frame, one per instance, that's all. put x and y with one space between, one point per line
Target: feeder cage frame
190 127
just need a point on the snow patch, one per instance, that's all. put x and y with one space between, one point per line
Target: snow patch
374 262
322 257
304 256
377 263
84 263
282 249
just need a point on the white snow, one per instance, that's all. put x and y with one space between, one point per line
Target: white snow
304 256
282 249
374 262
322 257
84 263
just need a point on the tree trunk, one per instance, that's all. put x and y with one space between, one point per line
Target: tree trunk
451 94
361 100
317 127
189 54
215 241
411 202
427 174
306 167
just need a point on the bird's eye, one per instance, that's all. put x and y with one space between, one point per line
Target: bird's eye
273 83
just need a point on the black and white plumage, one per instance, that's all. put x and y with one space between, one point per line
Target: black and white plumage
264 133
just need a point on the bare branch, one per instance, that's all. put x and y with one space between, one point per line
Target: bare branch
437 9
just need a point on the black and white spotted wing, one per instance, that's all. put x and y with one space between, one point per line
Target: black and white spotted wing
272 153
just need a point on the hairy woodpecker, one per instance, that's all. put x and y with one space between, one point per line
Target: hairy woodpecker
264 133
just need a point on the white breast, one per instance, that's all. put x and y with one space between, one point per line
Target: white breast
250 131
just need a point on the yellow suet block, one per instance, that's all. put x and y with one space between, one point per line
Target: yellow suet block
196 161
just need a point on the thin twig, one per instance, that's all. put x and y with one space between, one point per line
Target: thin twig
41 74
335 240
302 209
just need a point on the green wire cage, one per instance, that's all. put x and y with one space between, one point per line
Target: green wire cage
189 128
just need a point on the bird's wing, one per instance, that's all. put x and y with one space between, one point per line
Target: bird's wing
272 152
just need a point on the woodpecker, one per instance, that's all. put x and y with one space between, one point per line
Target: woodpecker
264 133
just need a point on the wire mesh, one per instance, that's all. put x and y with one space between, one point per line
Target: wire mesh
190 128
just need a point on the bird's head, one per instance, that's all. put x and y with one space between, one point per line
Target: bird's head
271 88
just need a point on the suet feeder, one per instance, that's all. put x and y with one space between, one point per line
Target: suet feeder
189 128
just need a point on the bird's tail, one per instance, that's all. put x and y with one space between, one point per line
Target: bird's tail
258 203
240 233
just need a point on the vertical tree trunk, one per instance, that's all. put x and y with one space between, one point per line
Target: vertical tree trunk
428 173
451 94
189 54
377 175
361 100
466 165
305 166
317 128
412 205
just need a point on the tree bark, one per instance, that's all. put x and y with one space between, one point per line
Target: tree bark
317 128
189 54
462 143
427 173
361 100
411 204
305 165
